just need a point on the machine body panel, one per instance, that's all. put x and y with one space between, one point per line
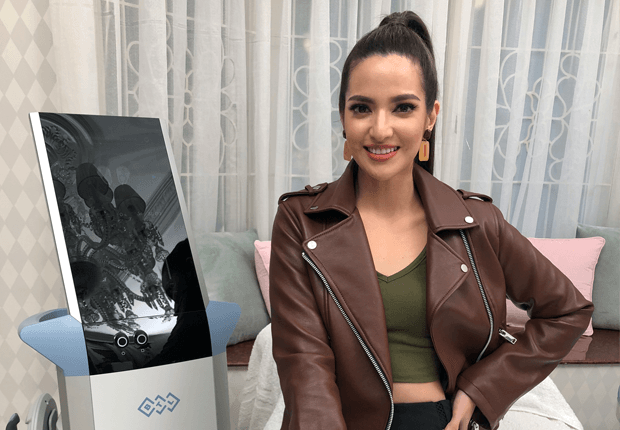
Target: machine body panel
174 396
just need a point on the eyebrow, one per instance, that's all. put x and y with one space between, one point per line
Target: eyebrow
394 99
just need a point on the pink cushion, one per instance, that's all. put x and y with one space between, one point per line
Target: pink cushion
262 255
576 258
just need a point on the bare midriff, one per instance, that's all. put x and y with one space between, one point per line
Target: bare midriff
418 392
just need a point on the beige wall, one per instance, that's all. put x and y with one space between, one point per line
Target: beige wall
29 277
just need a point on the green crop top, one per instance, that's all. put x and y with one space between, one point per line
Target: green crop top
404 299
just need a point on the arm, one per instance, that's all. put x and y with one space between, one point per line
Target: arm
559 315
304 359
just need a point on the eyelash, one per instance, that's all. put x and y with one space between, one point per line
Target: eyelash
356 108
410 106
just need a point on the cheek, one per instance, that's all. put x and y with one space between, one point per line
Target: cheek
412 131
355 128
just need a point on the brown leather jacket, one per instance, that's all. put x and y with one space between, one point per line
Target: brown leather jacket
335 370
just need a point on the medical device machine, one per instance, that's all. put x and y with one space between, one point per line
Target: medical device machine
140 345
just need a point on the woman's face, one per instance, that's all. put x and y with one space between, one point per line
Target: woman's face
385 116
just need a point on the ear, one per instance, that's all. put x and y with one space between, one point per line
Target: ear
432 116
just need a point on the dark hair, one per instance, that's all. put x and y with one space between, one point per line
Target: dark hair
402 33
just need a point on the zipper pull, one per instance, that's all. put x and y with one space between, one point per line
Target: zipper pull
510 338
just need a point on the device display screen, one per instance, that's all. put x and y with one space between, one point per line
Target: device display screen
135 283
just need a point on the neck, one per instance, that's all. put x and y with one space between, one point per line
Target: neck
390 198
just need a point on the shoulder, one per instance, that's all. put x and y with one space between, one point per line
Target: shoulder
481 207
448 204
289 218
466 195
295 203
477 202
308 191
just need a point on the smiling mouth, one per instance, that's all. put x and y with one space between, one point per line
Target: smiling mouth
381 151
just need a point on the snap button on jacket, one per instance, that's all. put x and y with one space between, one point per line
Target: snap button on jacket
328 322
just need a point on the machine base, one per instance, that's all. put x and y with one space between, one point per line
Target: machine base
175 396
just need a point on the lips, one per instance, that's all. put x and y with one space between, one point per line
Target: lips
381 154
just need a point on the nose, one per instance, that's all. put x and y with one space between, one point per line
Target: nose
381 128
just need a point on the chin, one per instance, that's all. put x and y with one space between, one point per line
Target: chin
380 174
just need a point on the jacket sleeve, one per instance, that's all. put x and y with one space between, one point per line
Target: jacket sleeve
301 350
558 313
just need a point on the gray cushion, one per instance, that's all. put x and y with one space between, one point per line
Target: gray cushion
606 290
227 261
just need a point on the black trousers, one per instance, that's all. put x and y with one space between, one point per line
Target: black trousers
422 416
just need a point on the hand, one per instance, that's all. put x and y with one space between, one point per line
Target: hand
462 410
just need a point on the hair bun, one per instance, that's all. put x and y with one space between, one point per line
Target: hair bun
418 26
412 21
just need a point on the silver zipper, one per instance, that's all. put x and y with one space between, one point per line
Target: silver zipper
510 338
484 297
359 338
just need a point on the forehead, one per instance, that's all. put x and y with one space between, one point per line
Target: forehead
388 73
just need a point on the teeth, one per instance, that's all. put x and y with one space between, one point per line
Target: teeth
381 151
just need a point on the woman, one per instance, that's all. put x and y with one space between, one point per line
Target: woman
388 288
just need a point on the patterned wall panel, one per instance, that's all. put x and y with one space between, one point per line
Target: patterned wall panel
29 277
591 391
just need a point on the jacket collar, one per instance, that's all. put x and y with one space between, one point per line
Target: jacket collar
435 195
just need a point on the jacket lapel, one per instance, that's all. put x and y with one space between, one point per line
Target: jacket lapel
355 282
443 274
445 210
342 254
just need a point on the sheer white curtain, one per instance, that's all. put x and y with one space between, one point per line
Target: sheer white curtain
529 91
534 114
206 67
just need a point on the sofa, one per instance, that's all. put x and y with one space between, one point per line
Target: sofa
236 269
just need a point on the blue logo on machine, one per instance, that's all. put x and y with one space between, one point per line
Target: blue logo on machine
159 405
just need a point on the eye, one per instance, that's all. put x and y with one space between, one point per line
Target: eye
405 107
359 108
